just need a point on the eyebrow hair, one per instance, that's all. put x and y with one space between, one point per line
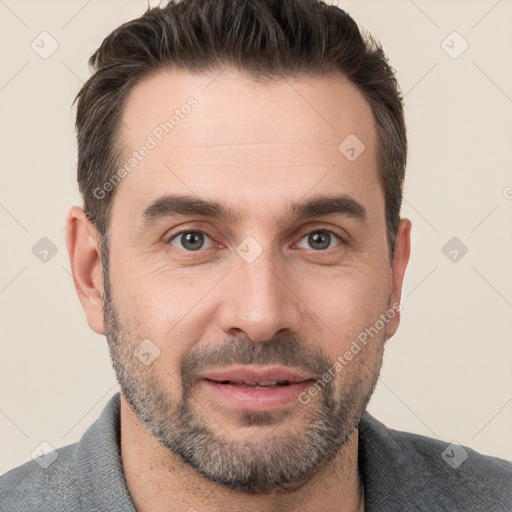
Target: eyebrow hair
329 205
178 204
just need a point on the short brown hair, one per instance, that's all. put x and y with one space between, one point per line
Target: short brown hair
267 39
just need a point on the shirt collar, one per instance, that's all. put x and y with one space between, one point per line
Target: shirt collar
103 484
382 465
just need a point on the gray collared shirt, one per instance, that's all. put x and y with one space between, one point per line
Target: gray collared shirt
401 472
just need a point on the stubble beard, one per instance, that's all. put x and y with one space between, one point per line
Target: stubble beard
279 458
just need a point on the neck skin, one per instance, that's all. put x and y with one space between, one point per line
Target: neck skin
159 480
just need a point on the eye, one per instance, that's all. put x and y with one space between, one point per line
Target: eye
320 239
192 240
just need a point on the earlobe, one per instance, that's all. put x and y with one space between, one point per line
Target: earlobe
400 261
84 251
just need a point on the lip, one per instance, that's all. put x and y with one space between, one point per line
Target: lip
255 399
254 374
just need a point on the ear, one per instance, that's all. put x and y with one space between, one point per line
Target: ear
400 260
84 250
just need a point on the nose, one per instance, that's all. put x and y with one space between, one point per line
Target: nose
259 299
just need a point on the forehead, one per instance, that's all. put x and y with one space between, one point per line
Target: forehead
326 105
224 135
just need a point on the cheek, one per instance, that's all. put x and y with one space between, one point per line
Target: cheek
157 299
169 312
347 305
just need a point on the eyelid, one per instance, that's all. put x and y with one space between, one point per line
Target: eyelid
307 231
190 230
341 239
311 227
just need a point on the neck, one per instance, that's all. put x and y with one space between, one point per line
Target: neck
158 480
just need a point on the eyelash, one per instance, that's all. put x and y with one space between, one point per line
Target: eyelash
204 232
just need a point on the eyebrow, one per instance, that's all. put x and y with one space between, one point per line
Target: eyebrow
177 204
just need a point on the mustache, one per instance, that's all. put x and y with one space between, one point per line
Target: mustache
283 351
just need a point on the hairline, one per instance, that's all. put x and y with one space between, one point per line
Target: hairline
119 152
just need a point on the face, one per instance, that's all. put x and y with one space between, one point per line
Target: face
231 311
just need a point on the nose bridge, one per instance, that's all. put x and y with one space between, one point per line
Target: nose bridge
258 300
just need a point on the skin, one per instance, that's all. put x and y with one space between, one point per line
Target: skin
257 147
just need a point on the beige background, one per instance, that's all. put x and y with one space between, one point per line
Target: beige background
447 372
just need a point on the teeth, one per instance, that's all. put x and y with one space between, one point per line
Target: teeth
260 385
252 386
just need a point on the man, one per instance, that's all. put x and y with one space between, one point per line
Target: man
240 246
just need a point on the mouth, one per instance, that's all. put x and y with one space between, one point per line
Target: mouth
257 385
256 388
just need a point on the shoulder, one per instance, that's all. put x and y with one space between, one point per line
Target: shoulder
439 475
43 484
84 476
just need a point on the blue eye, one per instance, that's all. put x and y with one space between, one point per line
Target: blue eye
320 239
191 240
